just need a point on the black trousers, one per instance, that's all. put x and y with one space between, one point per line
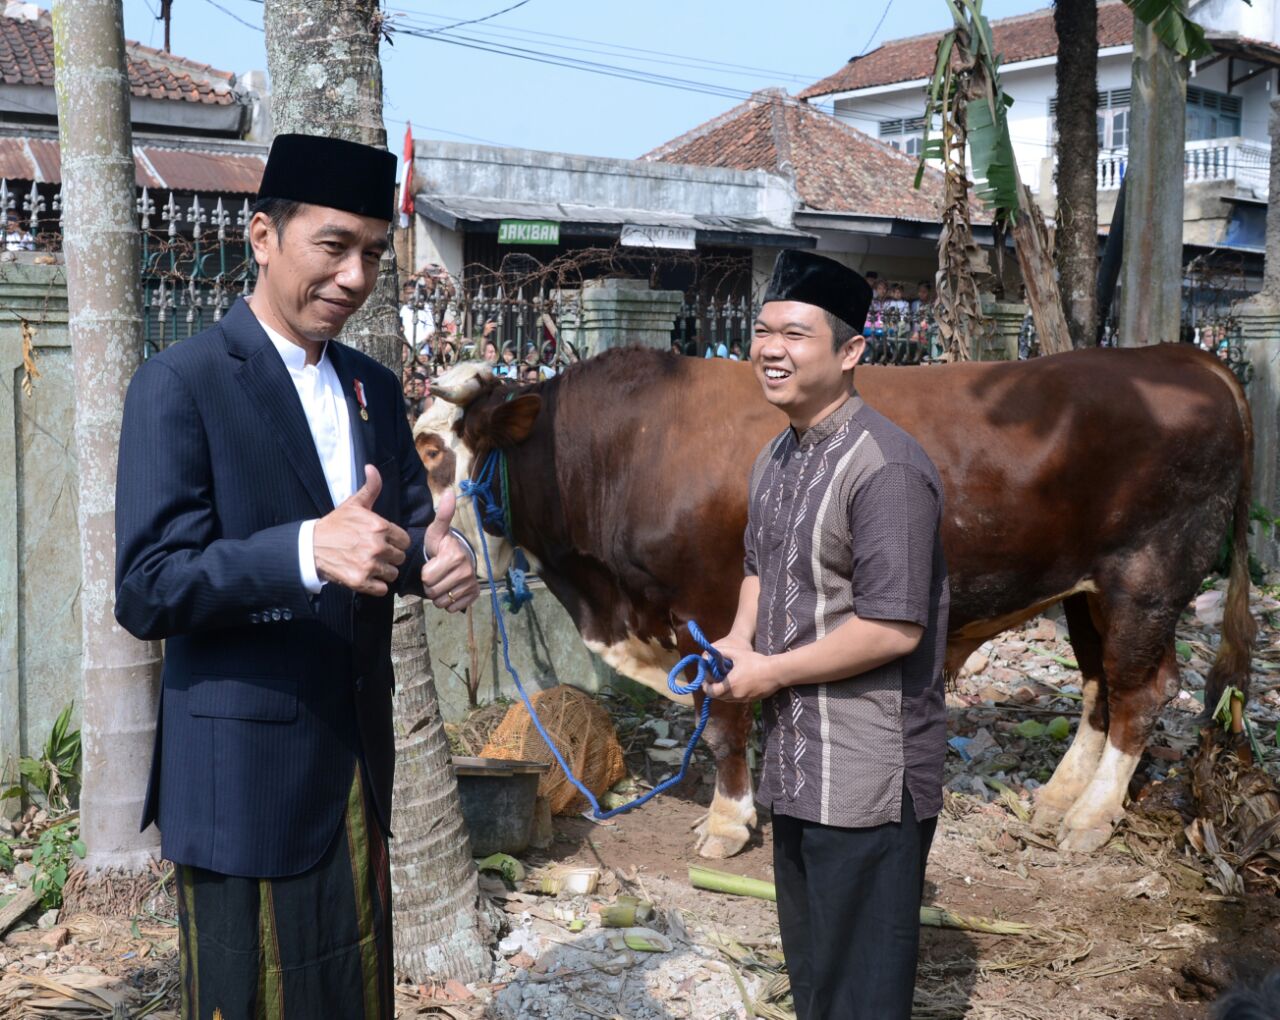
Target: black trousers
849 910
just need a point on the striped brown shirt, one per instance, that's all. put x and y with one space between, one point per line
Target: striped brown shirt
844 521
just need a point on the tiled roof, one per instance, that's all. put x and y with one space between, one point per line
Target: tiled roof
234 169
26 58
836 168
1025 37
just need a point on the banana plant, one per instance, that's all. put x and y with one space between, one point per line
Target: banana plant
1172 27
967 102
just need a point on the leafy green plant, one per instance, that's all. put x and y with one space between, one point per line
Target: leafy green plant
6 856
52 858
1222 714
55 775
1172 27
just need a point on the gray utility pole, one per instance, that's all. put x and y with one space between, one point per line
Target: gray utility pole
1151 271
119 675
326 79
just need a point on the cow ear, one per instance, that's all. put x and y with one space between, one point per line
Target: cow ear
512 420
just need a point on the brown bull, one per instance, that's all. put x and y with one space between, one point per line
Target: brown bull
1104 480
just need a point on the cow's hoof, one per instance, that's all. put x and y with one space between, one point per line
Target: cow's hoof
1084 840
718 846
1047 817
1050 810
726 827
724 830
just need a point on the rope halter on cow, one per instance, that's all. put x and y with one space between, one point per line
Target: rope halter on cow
709 661
491 513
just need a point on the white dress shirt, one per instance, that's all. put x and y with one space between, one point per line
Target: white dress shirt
326 409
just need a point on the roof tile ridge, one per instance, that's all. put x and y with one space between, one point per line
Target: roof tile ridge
701 130
177 65
897 154
780 132
1039 13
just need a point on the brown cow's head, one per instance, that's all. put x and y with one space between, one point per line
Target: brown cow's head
493 413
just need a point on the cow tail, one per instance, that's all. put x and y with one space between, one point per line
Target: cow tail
1232 665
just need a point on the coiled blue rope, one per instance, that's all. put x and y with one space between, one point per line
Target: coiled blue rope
708 662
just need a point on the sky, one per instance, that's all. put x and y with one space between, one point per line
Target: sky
451 90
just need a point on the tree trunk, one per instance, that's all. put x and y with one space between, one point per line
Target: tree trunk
119 675
1035 262
1076 177
438 931
1151 280
327 79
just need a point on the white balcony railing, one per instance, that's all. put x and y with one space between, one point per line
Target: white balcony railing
1246 161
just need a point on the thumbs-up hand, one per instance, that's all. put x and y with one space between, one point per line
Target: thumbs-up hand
356 548
369 492
438 529
449 578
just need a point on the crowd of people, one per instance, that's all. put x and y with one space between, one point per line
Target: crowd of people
899 330
17 236
434 341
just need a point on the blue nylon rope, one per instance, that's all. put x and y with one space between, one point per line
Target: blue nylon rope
709 661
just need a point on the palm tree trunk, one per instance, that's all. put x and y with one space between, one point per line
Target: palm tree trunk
119 675
327 79
433 878
1076 237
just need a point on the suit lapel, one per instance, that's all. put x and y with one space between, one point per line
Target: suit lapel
272 392
362 435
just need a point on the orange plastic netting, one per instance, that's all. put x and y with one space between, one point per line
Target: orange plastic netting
584 735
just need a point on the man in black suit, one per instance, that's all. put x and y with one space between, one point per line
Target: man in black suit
270 504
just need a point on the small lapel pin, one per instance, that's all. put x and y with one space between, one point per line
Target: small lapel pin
364 407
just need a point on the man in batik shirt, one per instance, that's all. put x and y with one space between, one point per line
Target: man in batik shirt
840 631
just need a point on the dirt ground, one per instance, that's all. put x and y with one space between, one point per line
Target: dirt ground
1145 928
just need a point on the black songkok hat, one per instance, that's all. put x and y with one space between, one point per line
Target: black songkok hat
331 172
814 280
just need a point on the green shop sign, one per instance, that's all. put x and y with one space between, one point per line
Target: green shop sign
528 232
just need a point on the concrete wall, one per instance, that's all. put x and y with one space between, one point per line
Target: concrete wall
457 168
1260 337
545 650
39 550
437 245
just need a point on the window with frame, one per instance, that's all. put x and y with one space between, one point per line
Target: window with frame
1113 119
1211 114
906 134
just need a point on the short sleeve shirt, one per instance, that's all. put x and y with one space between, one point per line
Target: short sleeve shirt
844 521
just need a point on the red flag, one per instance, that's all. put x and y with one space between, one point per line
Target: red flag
406 178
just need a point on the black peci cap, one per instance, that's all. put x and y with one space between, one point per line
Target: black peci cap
815 280
331 172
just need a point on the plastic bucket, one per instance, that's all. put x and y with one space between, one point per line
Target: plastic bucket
497 802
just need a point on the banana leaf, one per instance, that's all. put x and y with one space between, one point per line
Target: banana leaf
931 148
995 178
1172 26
